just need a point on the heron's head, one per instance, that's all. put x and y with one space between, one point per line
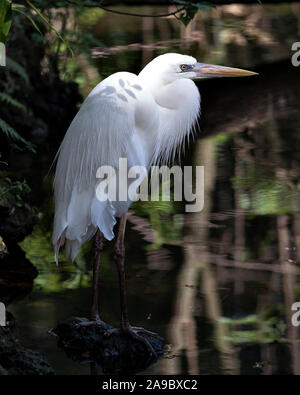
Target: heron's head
172 66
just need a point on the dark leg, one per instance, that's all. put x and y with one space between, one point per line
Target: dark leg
119 259
99 245
98 248
125 325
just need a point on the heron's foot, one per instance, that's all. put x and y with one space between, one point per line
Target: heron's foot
94 321
134 331
147 332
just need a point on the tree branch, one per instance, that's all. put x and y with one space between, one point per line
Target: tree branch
132 13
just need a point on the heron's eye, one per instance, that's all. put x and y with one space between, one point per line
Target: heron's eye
183 67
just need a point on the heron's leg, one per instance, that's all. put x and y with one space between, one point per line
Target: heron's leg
125 324
119 259
98 248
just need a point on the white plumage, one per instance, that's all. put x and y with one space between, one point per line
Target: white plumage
143 118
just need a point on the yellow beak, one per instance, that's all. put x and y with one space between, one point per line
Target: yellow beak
211 70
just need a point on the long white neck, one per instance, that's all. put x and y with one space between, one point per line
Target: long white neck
179 106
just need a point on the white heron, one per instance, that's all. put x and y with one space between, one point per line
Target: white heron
143 118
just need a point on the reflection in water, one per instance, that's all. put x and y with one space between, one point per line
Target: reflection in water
218 284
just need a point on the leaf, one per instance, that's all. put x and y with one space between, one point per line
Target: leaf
191 9
5 19
13 134
10 131
50 26
18 69
10 100
15 5
28 17
188 14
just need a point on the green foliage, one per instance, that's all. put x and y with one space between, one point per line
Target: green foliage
39 251
165 222
7 9
14 194
15 67
219 138
7 129
5 19
263 192
19 8
4 97
10 132
191 9
187 13
266 327
7 98
90 16
18 188
48 24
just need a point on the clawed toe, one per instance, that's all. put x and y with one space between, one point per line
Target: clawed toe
97 322
112 331
146 332
134 331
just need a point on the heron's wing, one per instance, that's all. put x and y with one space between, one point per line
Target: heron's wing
99 135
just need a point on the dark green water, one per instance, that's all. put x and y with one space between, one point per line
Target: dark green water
218 284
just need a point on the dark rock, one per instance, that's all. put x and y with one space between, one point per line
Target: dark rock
17 217
15 359
115 353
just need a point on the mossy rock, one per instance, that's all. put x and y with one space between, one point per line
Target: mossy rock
17 216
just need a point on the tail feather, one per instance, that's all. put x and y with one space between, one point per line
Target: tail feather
103 217
76 223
